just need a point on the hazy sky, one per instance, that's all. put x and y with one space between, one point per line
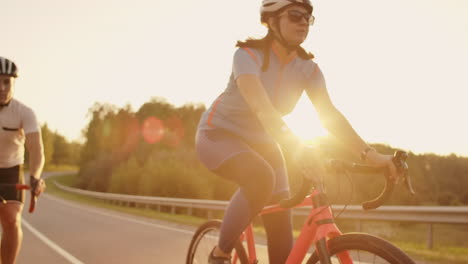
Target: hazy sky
396 69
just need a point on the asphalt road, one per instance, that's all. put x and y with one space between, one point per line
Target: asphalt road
65 232
61 231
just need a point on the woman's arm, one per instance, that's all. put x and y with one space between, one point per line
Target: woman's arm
331 118
335 122
256 97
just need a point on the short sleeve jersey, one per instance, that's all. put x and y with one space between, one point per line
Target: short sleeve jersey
284 82
16 120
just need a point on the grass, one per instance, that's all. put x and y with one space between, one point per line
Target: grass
450 243
439 254
53 168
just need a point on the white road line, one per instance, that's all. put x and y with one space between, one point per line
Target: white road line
120 217
126 218
51 244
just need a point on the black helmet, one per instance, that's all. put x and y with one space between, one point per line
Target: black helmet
7 67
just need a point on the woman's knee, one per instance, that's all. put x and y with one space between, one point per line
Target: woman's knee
259 191
254 175
248 170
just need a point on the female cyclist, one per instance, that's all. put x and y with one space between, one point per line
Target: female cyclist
242 135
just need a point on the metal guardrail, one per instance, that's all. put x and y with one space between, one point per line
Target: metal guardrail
419 214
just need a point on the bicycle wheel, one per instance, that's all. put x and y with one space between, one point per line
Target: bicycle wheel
364 248
205 239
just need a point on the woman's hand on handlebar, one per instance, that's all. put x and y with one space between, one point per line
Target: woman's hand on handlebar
379 160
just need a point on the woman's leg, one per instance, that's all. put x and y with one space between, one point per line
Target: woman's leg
235 160
256 180
278 227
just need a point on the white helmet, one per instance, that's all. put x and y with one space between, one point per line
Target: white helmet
271 6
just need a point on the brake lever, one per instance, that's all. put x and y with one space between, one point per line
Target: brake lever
408 184
400 162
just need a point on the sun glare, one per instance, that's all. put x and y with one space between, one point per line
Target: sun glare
304 121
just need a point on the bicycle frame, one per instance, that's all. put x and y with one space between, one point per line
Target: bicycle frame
318 227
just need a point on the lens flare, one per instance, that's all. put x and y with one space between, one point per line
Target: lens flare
174 131
152 130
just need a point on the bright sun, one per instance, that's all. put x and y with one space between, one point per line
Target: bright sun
304 121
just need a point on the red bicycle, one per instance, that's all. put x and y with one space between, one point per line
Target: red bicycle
19 187
319 229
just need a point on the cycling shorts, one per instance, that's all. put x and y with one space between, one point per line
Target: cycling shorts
216 146
13 175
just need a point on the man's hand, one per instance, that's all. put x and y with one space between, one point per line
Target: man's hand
37 185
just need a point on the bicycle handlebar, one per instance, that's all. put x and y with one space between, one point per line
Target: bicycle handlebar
299 196
32 202
399 159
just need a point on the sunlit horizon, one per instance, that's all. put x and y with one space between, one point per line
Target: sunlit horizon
396 70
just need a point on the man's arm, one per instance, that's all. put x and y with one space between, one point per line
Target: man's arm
36 154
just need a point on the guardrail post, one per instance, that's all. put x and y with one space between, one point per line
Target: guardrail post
359 225
421 214
429 237
172 209
189 211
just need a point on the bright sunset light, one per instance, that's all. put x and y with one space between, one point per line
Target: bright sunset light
304 121
395 69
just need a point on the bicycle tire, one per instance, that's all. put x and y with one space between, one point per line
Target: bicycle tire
198 253
360 242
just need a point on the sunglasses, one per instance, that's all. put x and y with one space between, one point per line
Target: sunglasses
296 16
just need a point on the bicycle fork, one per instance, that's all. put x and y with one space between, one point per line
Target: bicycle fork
318 227
322 251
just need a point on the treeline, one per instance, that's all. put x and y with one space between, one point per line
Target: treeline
151 152
147 152
58 151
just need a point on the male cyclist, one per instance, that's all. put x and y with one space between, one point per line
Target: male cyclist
18 128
